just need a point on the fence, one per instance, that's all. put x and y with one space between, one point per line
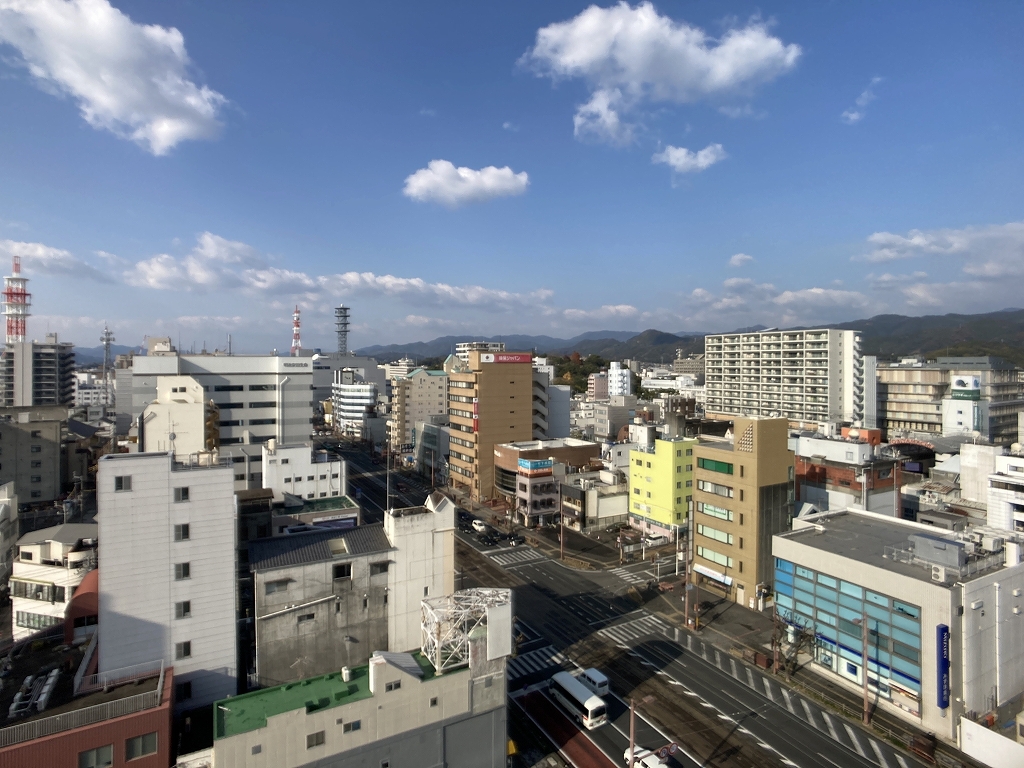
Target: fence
115 677
86 658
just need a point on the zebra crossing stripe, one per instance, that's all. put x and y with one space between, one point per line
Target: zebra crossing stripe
881 758
831 727
856 744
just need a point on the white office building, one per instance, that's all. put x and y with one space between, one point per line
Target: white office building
1006 493
463 348
620 380
808 377
167 585
303 471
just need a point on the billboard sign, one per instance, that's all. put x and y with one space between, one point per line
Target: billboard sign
965 388
942 659
506 357
532 464
713 574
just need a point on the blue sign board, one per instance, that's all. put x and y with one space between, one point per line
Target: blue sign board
531 464
942 657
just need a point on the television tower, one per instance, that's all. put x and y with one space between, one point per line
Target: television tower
341 324
296 340
107 338
16 303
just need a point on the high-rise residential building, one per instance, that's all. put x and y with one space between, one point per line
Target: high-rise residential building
259 397
421 395
597 386
36 373
690 365
620 380
1005 495
167 587
661 486
490 401
48 566
463 348
551 403
743 495
32 452
807 377
951 396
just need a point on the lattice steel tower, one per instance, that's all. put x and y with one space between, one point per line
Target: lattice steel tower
341 324
16 303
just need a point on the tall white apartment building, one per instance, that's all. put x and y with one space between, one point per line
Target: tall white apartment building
1006 493
259 397
809 376
620 381
419 396
463 348
167 585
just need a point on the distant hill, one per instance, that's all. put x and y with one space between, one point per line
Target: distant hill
887 336
86 356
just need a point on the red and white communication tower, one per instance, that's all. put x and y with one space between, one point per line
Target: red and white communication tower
16 303
296 340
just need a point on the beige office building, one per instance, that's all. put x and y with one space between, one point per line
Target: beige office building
420 395
490 401
743 495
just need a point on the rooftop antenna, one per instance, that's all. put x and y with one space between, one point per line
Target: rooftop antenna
16 301
341 324
296 325
106 339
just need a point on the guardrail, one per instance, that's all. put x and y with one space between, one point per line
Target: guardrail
120 676
86 658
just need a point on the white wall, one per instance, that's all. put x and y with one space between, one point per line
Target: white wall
296 462
989 747
138 591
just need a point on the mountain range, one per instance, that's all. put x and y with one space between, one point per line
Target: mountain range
887 336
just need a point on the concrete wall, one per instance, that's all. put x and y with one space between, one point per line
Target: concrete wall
308 479
30 453
989 747
138 590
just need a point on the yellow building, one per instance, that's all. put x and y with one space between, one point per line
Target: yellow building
490 401
743 494
661 486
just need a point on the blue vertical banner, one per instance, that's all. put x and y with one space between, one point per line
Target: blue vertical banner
942 659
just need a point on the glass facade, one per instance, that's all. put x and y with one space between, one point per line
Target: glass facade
835 611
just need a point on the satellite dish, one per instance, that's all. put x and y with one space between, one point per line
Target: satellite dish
854 432
171 436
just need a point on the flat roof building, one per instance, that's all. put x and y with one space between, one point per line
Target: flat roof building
943 612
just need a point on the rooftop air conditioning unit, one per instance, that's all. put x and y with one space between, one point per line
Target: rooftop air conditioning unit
992 543
938 573
975 536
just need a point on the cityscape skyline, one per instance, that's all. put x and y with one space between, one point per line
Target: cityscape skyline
724 169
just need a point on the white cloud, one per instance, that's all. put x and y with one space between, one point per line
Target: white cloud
599 119
740 259
683 160
608 311
629 56
823 297
509 126
441 182
993 251
425 112
46 260
130 79
857 112
746 111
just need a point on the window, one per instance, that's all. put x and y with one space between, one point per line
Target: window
315 739
378 568
38 449
281 585
261 422
304 617
101 757
262 387
679 452
285 461
37 478
181 494
181 532
257 748
26 555
388 687
355 725
183 650
183 610
639 463
37 465
636 491
36 620
37 494
140 746
433 701
718 490
343 571
689 451
123 483
715 466
310 477
263 404
37 433
183 691
228 388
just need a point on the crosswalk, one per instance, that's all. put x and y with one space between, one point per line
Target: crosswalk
535 661
872 750
628 576
636 629
516 556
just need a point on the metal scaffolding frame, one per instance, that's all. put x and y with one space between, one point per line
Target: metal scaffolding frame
448 622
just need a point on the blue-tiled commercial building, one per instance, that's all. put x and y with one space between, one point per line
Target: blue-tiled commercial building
944 612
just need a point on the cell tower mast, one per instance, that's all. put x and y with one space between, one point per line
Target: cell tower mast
16 303
106 339
341 324
296 339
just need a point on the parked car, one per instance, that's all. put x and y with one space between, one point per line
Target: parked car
480 526
464 515
487 540
465 527
656 541
616 527
514 540
643 757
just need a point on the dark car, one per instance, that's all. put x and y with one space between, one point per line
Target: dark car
464 515
465 527
487 540
514 540
402 487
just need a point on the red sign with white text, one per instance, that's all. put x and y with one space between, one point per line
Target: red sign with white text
507 357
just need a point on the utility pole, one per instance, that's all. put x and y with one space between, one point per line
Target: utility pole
561 536
864 669
632 734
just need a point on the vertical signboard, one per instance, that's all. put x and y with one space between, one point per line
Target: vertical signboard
942 659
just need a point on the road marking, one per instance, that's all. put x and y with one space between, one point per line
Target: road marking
830 726
789 702
735 673
689 693
727 718
718 660
744 730
807 711
881 758
750 679
705 704
901 761
856 744
768 689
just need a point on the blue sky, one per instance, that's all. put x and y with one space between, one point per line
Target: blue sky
187 168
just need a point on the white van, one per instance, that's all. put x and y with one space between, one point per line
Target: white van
656 541
595 680
480 526
644 758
